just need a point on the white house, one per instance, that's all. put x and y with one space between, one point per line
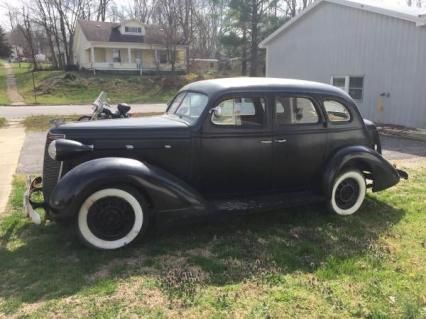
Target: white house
375 52
126 46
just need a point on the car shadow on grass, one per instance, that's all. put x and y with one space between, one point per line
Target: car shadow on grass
43 263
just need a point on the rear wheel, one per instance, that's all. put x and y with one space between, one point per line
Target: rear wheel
348 193
111 218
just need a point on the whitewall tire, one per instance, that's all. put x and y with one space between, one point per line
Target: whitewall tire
348 193
111 218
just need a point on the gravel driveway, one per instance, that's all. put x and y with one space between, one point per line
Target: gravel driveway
401 151
395 148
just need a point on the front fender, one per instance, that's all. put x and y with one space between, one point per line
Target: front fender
164 191
383 173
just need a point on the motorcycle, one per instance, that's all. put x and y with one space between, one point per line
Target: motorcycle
102 110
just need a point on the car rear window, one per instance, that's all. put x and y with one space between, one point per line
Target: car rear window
336 111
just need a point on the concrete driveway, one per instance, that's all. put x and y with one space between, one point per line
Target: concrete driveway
17 112
11 139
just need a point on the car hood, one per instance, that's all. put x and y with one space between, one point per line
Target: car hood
140 127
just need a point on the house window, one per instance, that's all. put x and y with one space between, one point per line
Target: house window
116 55
132 29
162 56
353 85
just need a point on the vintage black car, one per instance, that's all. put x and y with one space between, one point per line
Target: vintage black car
223 145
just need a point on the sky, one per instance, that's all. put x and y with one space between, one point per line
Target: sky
4 22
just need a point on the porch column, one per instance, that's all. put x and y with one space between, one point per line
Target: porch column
92 55
129 54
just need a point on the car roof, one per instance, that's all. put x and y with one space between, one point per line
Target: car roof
214 86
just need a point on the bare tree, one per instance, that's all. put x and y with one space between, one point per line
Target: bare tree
28 34
69 11
143 10
44 20
102 10
167 17
417 3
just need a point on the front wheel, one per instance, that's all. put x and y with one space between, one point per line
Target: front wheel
84 118
348 193
111 218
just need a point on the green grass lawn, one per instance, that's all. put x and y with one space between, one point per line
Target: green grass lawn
44 122
59 87
298 262
4 100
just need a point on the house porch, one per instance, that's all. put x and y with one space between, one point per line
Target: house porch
132 59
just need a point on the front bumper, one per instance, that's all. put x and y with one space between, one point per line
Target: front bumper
32 187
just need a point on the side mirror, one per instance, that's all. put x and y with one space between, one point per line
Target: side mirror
217 111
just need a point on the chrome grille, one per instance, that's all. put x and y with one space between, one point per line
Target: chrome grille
51 168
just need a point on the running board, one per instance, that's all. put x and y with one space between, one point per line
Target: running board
265 203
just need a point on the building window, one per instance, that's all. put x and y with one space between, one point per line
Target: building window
133 29
340 82
353 85
162 57
295 110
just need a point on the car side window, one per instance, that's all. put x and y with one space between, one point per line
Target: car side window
295 110
240 111
336 111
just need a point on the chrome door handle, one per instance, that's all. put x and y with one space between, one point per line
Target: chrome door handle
281 140
266 142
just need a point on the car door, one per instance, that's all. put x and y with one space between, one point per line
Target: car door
236 146
300 141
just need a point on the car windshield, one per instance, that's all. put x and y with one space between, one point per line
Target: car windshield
188 105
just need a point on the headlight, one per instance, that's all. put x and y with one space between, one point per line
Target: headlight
52 150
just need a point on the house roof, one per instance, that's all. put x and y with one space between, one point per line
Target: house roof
109 32
415 15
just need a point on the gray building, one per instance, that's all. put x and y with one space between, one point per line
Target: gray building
374 52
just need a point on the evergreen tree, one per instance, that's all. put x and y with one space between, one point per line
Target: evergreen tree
248 22
4 44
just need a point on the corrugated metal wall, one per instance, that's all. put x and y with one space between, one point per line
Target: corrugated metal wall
335 40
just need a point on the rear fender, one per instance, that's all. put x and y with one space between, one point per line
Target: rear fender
163 190
383 173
